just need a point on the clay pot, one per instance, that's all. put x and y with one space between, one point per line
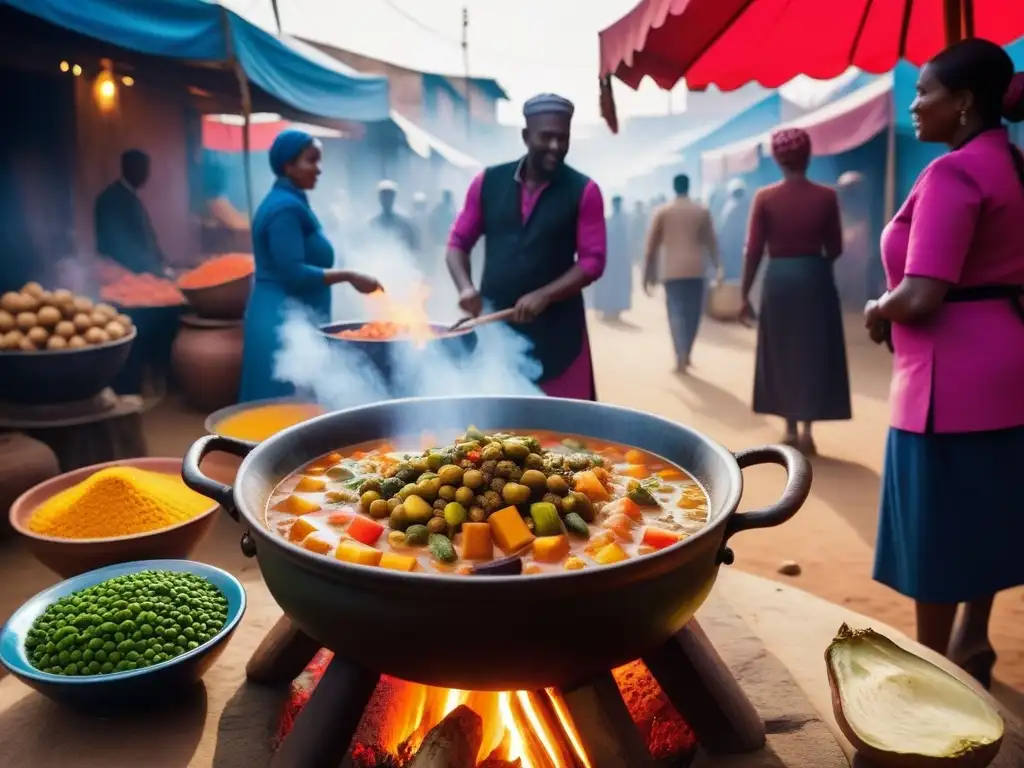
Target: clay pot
24 463
207 361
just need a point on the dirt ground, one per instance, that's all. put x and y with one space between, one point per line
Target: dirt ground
832 538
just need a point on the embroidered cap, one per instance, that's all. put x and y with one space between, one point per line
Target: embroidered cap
548 104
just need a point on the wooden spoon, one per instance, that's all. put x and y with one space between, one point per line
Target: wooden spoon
474 322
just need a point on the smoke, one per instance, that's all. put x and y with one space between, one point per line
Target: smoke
340 375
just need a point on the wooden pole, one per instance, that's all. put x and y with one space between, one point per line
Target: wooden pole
953 16
246 94
465 65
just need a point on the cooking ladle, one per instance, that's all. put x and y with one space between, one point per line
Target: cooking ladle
475 322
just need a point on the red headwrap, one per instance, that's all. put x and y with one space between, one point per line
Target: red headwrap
791 148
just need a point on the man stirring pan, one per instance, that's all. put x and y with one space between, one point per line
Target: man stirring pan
545 241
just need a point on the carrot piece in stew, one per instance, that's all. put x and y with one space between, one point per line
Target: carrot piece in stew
659 538
509 531
365 530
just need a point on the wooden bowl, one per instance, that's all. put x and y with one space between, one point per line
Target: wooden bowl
220 302
71 557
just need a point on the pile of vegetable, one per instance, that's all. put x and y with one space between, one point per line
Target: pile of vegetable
487 495
35 319
125 623
218 270
134 291
378 330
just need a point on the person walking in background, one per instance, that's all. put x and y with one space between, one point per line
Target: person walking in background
442 217
389 223
801 373
613 293
294 263
680 243
421 220
951 525
732 229
544 230
124 231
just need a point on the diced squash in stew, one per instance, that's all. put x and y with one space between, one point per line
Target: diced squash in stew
300 529
359 554
633 456
509 530
610 553
340 518
551 549
575 564
590 486
317 543
297 505
636 471
396 562
310 485
476 541
365 530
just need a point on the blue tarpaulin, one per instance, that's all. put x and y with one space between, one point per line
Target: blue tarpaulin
195 30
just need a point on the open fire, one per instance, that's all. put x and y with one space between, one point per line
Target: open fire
408 725
396 316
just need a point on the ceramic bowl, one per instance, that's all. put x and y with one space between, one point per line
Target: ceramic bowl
120 690
220 302
49 376
70 557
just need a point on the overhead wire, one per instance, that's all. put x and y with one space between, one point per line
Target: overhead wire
489 51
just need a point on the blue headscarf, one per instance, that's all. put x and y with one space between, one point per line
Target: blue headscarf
286 147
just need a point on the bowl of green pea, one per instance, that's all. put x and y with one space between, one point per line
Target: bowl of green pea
123 636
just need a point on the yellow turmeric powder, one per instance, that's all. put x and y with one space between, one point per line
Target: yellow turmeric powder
119 501
259 423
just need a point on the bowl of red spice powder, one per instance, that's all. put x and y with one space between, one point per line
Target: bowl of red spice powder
219 288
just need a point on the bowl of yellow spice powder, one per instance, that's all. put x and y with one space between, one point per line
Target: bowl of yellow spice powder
117 512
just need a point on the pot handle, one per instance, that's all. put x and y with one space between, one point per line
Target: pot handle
194 478
798 487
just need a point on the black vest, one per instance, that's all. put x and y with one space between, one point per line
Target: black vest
522 257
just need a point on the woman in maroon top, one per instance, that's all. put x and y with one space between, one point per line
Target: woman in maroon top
801 370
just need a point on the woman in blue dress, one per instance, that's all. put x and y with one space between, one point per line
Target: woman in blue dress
294 263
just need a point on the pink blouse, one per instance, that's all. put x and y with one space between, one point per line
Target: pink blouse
591 255
960 224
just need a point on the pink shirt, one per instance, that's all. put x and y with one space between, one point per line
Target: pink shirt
962 224
591 255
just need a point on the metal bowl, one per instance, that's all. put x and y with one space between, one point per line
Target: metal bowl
50 376
386 354
99 694
495 633
220 302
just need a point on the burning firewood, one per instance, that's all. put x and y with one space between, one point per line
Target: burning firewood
452 743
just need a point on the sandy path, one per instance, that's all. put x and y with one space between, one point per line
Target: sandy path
833 536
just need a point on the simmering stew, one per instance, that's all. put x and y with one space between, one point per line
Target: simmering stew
501 503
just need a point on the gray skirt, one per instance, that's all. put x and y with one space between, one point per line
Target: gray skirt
801 370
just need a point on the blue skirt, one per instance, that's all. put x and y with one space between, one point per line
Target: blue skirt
952 515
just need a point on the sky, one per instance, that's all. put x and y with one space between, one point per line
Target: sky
541 45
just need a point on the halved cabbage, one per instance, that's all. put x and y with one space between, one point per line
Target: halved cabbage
898 709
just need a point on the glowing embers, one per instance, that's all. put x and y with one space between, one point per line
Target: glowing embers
407 725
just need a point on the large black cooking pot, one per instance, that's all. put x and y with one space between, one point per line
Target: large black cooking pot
389 355
494 633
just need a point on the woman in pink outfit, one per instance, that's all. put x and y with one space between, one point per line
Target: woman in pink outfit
952 520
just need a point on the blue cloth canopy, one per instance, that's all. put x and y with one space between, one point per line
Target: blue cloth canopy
297 74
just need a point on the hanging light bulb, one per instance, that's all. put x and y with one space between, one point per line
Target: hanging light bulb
128 81
64 66
106 87
76 70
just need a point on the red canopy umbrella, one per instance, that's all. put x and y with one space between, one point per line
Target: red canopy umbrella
729 43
